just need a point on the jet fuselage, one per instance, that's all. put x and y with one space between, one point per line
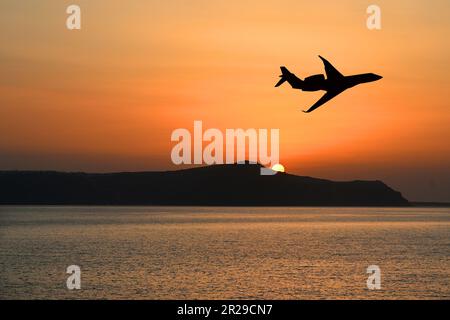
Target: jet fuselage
319 82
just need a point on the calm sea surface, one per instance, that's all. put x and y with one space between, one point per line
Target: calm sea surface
224 253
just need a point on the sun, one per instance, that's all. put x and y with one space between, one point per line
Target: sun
278 167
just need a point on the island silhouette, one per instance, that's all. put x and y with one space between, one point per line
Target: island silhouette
216 185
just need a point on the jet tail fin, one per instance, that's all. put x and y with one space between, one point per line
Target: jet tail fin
282 80
291 78
285 71
284 74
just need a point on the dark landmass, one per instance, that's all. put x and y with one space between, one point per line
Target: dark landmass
431 204
218 185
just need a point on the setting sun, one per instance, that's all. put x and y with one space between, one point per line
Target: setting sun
278 167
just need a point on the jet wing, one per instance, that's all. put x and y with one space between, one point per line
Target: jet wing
325 98
331 71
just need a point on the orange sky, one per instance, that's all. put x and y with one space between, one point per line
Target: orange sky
107 97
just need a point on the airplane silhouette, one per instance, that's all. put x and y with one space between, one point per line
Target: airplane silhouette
334 84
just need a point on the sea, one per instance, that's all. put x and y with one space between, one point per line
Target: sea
224 252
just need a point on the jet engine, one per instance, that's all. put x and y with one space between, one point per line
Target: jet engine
315 78
313 83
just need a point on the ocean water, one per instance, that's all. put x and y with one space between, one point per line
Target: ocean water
224 253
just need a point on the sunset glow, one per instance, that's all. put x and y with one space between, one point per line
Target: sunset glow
107 97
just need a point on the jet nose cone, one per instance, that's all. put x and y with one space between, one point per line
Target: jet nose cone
377 77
